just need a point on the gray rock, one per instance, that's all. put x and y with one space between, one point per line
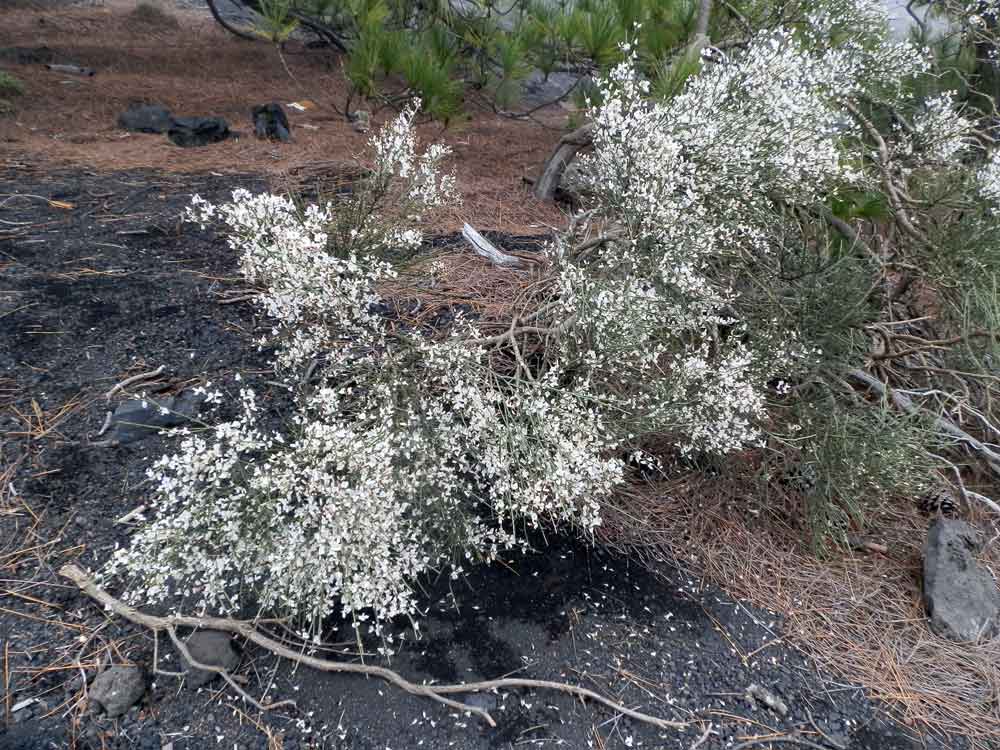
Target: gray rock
486 701
538 89
212 648
137 419
190 132
270 121
145 118
361 120
117 689
961 597
27 55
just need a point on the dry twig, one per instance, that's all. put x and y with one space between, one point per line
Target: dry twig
434 692
987 454
134 379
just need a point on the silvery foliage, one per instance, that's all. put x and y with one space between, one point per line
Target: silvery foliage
418 452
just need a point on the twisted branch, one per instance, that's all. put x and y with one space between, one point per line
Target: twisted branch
246 630
990 457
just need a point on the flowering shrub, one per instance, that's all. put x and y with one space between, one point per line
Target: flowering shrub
689 296
412 454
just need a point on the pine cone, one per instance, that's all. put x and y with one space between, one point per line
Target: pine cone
938 500
800 477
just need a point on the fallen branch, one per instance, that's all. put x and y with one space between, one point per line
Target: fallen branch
863 545
486 249
107 423
132 514
228 26
186 653
755 692
569 145
246 630
72 69
903 402
134 379
234 300
701 740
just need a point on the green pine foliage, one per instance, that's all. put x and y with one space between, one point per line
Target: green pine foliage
437 50
10 85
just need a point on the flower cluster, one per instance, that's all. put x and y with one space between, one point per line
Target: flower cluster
396 157
938 135
412 453
287 253
686 185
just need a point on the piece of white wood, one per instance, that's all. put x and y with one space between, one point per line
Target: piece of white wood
488 250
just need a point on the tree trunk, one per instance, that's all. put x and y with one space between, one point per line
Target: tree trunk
228 26
570 145
555 165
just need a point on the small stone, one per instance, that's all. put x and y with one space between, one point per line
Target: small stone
961 597
197 131
117 689
212 648
137 419
27 55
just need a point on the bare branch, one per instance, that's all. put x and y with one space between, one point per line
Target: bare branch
246 630
186 653
134 379
903 402
486 249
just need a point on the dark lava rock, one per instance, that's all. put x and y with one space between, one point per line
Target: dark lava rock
197 131
27 55
145 118
961 597
269 121
137 419
117 689
212 648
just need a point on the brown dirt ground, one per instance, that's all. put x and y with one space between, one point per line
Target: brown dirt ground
197 68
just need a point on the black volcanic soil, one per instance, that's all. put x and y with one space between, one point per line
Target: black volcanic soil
99 280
